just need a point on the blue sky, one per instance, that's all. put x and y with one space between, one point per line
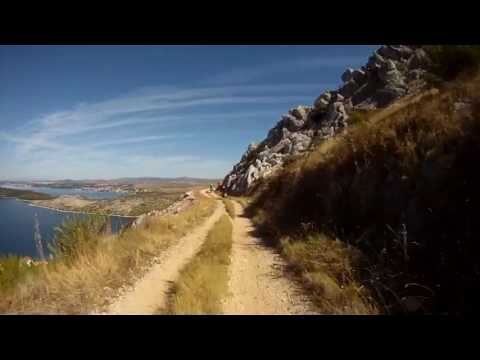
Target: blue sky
103 112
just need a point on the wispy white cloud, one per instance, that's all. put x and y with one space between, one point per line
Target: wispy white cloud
143 131
152 106
91 137
245 75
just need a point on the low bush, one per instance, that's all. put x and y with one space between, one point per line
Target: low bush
449 61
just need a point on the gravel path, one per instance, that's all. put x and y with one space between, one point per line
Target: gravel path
257 283
151 292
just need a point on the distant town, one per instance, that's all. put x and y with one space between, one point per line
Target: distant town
124 185
82 186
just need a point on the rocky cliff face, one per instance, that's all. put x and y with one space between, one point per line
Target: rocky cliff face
390 73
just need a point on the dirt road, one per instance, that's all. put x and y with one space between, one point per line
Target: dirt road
151 291
257 283
256 286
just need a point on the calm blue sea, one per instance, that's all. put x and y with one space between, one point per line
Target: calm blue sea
17 222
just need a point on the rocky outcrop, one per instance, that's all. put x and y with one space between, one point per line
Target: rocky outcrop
390 73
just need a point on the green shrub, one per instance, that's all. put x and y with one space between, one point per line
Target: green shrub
449 61
433 80
12 270
357 117
77 233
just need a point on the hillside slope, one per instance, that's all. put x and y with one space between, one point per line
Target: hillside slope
402 189
381 211
390 73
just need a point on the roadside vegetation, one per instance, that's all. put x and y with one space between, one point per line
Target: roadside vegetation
230 207
327 268
383 216
13 270
90 264
203 283
243 200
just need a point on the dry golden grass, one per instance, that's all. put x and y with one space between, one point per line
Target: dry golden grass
372 120
243 200
401 186
85 283
230 207
203 282
326 268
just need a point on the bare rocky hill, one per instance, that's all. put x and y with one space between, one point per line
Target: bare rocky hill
390 73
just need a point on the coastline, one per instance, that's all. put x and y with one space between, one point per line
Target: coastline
77 212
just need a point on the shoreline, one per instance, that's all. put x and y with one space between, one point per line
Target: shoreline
77 212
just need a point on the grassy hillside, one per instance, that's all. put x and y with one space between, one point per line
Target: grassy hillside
383 217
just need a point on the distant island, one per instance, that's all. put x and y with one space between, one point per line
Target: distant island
23 194
140 195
